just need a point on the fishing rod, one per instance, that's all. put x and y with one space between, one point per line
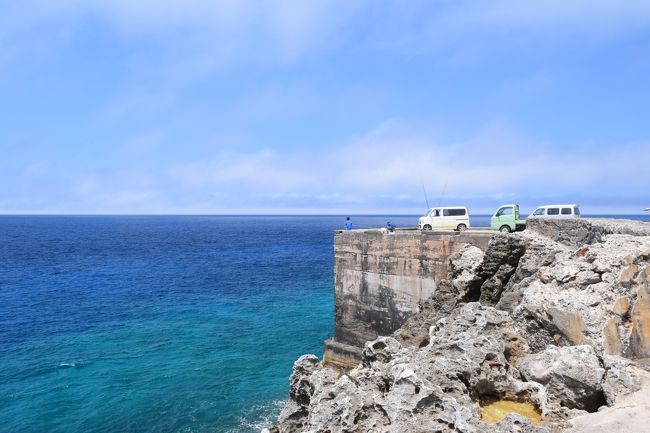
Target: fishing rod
426 199
442 194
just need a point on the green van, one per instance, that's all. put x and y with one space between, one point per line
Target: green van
506 219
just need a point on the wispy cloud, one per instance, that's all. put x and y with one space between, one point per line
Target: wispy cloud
384 168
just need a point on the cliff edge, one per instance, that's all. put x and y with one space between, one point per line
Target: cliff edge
546 331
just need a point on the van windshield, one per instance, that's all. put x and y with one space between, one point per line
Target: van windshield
539 211
504 211
576 211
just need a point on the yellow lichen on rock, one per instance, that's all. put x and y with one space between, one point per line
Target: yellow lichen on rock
493 411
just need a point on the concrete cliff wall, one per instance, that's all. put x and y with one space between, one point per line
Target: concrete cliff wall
381 278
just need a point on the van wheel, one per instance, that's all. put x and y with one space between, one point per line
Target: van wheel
505 229
426 227
461 227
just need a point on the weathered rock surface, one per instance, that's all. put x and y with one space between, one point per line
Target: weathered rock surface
562 322
631 414
433 388
574 375
640 335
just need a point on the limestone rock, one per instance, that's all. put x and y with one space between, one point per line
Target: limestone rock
643 277
566 273
415 331
567 231
622 377
295 412
627 274
587 277
612 339
640 335
380 350
572 374
464 267
621 306
568 323
436 387
299 388
499 264
630 415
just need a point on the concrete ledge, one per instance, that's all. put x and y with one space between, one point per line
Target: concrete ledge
341 356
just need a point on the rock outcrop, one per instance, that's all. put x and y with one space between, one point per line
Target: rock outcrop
556 318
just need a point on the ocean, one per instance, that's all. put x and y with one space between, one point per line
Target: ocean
161 323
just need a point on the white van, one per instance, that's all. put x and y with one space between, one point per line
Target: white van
446 218
556 211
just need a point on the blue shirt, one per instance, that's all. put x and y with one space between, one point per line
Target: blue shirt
348 225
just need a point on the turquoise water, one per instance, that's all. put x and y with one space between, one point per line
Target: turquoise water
160 324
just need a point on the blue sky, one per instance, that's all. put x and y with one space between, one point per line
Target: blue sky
193 106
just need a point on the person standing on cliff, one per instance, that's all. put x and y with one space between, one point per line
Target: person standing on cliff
348 224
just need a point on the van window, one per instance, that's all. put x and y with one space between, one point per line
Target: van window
553 211
504 211
566 211
453 212
539 211
576 211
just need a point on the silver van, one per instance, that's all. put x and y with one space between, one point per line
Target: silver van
556 211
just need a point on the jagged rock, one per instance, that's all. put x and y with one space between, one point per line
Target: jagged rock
499 264
643 277
612 339
539 254
299 389
627 274
621 306
406 389
295 412
621 377
579 232
464 266
629 415
567 231
568 324
415 331
380 350
572 374
515 345
620 226
566 273
587 277
640 335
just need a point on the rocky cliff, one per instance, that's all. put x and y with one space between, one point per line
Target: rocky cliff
546 331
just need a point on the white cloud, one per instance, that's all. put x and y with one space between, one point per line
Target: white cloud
394 160
382 169
262 169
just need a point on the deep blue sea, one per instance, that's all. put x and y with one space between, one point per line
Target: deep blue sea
160 323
